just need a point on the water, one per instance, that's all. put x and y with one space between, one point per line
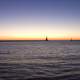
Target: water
40 60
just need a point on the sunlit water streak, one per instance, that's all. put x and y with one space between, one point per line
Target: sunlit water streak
58 60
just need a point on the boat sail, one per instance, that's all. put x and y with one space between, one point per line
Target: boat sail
46 38
71 39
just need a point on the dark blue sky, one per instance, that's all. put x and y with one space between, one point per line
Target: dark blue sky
30 17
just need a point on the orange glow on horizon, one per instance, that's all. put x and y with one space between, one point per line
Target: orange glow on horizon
37 38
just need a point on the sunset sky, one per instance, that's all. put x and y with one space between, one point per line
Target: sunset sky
36 19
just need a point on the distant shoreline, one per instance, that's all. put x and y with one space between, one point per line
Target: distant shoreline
32 40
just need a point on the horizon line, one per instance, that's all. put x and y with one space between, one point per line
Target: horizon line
42 40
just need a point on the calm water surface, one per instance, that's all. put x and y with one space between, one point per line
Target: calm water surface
40 60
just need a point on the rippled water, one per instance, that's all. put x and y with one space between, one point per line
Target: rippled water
40 60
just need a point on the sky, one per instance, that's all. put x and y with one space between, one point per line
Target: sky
36 19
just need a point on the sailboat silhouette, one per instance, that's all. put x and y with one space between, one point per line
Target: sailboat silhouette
46 38
71 39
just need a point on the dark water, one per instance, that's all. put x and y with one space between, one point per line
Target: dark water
40 60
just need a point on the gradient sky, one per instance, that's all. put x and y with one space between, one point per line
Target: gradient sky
35 19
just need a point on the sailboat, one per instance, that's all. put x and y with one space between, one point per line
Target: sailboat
46 39
71 40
